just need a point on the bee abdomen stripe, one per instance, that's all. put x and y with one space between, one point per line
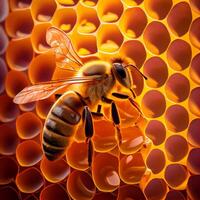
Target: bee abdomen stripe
52 150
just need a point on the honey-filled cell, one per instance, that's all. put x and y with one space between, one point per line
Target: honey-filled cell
194 104
176 148
193 136
28 125
133 22
27 107
153 104
31 197
131 168
41 68
20 4
8 170
130 192
156 189
88 21
3 72
193 187
177 88
195 5
172 118
9 193
29 180
19 54
54 171
179 55
43 11
65 19
4 10
158 9
19 23
15 81
109 38
38 37
28 153
175 195
193 161
8 110
67 2
54 191
131 3
153 31
176 176
4 40
104 195
89 3
109 11
105 172
194 69
194 33
80 185
155 69
178 23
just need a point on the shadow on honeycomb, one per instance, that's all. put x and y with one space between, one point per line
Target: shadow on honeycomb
158 159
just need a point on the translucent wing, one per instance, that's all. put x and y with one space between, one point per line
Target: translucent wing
46 89
66 57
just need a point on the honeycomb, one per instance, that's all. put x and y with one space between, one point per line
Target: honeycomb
159 158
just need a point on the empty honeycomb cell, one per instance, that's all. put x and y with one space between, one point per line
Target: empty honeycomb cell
133 22
132 140
85 44
135 51
4 41
132 2
80 185
28 153
3 72
194 33
193 136
88 21
177 22
43 11
38 37
156 189
8 110
153 104
131 168
8 170
156 37
193 187
65 19
27 107
54 171
54 191
177 88
19 4
19 54
130 192
43 107
176 118
176 148
193 161
109 38
155 69
156 131
156 161
89 3
175 195
41 68
158 9
104 140
109 11
4 10
9 193
28 125
105 172
29 180
194 104
15 81
195 70
195 5
175 175
67 2
8 139
77 155
31 197
19 23
179 55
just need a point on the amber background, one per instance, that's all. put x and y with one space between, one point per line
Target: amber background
160 159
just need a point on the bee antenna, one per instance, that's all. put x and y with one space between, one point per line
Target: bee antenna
137 70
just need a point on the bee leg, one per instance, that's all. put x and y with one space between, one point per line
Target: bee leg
98 112
58 96
88 126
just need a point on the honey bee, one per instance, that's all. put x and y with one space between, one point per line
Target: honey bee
91 85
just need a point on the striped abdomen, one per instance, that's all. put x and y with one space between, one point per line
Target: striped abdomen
60 124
